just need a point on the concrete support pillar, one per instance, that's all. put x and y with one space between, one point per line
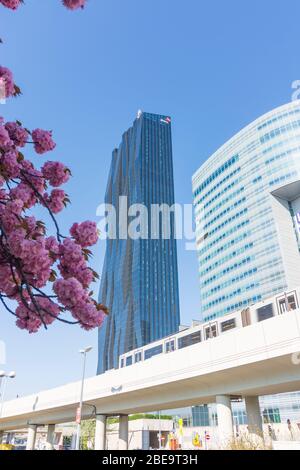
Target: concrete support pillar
32 428
255 426
50 437
1 436
100 433
123 433
225 421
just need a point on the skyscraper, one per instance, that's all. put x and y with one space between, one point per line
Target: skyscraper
247 206
139 279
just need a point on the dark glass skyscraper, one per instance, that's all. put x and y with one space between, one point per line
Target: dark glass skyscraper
140 279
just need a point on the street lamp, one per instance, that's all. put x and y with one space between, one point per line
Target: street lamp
78 417
3 379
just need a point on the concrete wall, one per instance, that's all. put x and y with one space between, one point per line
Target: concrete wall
138 433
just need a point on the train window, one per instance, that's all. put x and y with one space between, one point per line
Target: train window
228 325
211 331
170 346
153 351
122 362
138 356
287 303
188 340
265 312
128 360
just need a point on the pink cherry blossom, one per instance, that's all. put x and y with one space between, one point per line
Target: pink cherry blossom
7 283
32 177
11 167
56 173
88 315
84 275
27 319
41 273
4 137
6 77
17 133
27 166
3 195
10 216
15 206
32 318
69 292
25 193
74 4
85 233
15 240
36 261
52 246
56 200
49 310
8 222
43 141
71 259
12 4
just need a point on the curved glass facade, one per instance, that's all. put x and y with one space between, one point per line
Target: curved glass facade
247 209
140 279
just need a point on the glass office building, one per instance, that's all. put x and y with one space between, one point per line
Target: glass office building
139 281
247 209
275 409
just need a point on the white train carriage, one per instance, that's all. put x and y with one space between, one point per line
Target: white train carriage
187 336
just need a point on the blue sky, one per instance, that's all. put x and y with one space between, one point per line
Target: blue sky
213 66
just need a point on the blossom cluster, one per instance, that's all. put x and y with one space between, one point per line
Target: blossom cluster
30 260
70 4
74 4
7 81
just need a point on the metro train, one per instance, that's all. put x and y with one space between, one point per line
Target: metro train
187 336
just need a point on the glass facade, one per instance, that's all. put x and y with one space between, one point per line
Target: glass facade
244 195
273 408
247 209
139 280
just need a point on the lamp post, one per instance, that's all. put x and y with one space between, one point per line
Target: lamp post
3 381
84 353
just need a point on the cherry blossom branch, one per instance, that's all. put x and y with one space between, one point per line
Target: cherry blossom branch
28 257
44 202
6 306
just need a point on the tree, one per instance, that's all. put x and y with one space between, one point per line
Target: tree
88 428
31 261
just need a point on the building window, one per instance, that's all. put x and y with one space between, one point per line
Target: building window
122 363
128 361
138 356
246 317
153 351
265 312
170 346
188 340
271 415
228 325
200 416
287 303
211 331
